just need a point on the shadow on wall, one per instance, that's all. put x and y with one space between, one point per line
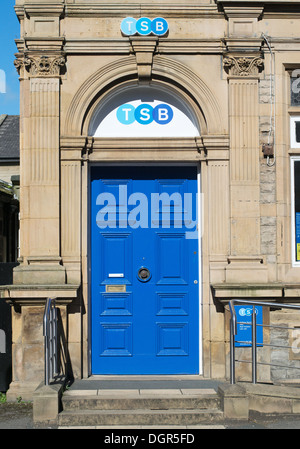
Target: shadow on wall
6 278
64 361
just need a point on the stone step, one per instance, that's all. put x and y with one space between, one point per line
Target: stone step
136 402
137 417
149 427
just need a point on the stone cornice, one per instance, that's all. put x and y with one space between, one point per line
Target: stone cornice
118 9
119 46
36 295
53 44
192 9
208 147
274 292
243 45
40 9
81 8
134 149
233 11
259 9
122 46
163 46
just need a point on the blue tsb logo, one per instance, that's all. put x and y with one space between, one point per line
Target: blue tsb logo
144 26
145 114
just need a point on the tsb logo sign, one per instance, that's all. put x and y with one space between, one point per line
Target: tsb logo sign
144 26
145 114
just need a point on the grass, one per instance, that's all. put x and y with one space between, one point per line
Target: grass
19 399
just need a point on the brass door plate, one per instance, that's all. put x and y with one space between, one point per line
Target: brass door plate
115 288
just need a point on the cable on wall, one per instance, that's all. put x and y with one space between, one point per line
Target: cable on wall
272 102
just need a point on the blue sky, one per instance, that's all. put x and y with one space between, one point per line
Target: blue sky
9 31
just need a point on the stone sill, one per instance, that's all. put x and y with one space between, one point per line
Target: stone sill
276 292
37 294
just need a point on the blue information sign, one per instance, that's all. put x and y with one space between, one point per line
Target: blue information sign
297 233
244 330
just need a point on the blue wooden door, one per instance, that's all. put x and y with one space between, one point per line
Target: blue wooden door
144 271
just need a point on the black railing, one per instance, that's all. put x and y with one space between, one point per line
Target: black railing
50 340
253 343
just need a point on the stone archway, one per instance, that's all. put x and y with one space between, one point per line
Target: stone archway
124 71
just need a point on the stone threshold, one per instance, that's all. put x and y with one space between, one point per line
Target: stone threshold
141 392
155 427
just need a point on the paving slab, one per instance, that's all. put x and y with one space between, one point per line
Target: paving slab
198 391
118 393
161 392
78 392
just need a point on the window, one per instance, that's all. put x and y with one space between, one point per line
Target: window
295 88
295 189
144 111
295 131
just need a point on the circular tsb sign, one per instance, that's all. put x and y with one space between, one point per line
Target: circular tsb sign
144 26
145 114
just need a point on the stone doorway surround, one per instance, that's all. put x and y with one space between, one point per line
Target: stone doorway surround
222 78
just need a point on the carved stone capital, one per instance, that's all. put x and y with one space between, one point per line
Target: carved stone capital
243 65
41 65
21 62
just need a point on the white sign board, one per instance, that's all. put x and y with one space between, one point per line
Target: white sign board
144 112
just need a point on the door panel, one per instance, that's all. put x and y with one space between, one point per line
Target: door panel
144 271
172 263
115 252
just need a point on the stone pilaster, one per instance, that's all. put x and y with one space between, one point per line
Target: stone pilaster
71 219
41 273
245 261
40 171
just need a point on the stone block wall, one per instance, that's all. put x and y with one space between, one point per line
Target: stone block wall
268 220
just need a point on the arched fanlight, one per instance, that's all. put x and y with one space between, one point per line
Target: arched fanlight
143 111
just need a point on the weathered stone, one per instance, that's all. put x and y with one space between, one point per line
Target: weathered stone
46 403
234 400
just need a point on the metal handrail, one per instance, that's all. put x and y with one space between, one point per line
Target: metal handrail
50 340
233 332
